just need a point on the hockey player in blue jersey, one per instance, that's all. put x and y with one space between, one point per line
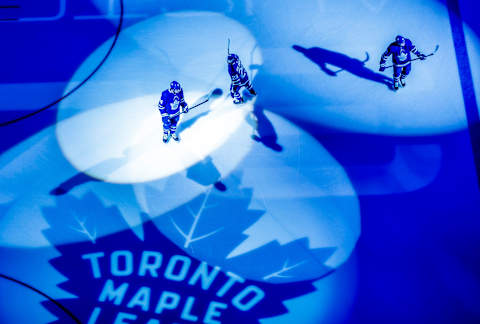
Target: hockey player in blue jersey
239 77
400 51
171 105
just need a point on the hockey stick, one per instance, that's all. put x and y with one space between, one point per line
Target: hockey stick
195 106
436 49
213 94
228 47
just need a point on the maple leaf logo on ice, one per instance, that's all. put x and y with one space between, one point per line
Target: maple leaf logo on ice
223 229
119 278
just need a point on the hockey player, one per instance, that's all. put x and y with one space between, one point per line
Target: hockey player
400 51
171 105
239 77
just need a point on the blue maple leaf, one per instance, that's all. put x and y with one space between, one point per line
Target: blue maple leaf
213 224
119 276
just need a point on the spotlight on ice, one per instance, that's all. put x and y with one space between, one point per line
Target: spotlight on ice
111 128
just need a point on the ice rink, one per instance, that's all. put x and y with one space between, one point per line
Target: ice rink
327 198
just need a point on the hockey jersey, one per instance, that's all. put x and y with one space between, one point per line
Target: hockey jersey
170 103
400 54
238 74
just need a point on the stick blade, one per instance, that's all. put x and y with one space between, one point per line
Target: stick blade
367 57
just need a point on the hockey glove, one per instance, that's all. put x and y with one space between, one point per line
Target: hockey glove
382 67
185 109
422 56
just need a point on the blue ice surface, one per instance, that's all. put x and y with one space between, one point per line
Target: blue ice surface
417 256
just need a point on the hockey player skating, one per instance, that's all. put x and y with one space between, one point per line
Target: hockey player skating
400 51
171 105
239 77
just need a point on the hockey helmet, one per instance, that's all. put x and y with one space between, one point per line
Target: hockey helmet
400 40
175 87
232 58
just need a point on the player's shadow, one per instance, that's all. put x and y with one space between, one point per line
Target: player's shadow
77 180
266 133
322 57
203 172
184 125
206 173
104 168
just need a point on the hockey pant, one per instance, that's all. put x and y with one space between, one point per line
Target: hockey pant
170 124
235 89
401 72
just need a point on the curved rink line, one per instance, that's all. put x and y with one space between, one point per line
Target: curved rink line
63 308
117 34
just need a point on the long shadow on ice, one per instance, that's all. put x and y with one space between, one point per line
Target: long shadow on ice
322 57
206 173
75 181
265 132
105 167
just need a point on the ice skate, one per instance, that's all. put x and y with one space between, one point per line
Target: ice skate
402 82
237 101
175 137
252 92
396 84
166 137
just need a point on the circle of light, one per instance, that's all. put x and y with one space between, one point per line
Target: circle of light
112 129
